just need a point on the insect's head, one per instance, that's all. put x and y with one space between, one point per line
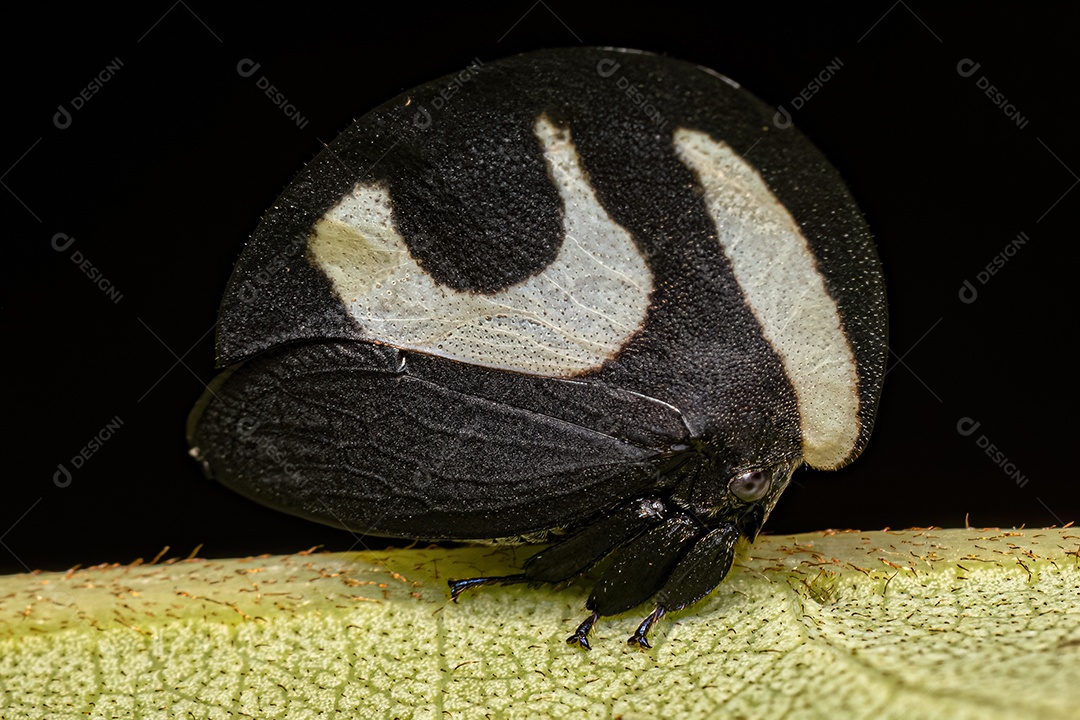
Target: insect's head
721 484
758 490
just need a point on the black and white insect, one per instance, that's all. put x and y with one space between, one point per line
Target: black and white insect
588 295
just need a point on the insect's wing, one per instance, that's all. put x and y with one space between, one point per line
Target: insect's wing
388 443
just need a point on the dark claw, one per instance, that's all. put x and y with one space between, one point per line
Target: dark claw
459 586
579 640
646 625
581 635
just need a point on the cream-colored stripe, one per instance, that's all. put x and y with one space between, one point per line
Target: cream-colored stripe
776 271
571 317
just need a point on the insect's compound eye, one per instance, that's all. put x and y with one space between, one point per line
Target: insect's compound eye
751 486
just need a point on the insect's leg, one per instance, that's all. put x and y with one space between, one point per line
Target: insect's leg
459 586
578 551
646 625
693 577
639 570
581 635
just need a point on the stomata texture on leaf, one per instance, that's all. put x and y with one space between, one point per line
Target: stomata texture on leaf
930 623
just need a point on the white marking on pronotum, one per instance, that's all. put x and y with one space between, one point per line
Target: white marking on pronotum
569 318
777 273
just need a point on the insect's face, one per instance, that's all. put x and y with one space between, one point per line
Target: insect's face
743 492
751 486
759 490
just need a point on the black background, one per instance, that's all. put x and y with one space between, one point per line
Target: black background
162 175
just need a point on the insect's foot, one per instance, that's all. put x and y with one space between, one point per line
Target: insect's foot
639 637
581 635
459 586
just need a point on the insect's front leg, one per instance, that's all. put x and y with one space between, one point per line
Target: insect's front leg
696 575
574 554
